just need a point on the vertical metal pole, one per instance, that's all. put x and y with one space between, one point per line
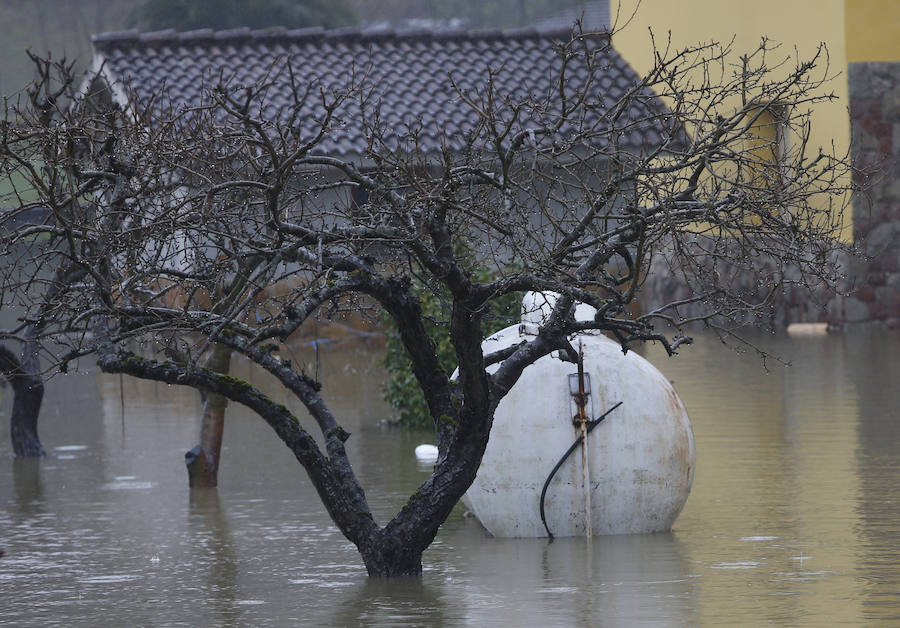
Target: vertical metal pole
583 420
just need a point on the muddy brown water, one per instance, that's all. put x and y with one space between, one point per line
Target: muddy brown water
794 518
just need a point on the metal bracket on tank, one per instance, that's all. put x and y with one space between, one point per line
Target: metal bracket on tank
582 403
580 397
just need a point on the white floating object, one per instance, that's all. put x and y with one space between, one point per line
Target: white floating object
427 453
744 564
807 329
110 579
640 459
758 538
127 485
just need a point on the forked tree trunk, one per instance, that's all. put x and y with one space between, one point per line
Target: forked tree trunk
394 550
392 557
203 460
28 392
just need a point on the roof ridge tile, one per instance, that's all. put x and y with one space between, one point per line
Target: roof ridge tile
346 32
233 33
353 33
199 34
312 32
167 34
130 34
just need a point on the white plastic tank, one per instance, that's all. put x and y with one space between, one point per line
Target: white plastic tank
638 462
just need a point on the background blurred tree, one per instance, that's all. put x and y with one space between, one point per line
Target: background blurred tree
478 14
185 15
61 26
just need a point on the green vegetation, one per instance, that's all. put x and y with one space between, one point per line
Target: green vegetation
402 391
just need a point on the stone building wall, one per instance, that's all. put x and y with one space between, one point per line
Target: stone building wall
776 305
875 126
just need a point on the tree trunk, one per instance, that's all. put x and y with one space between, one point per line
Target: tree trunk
24 371
28 392
203 460
391 557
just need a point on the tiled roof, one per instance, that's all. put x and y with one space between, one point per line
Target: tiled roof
407 72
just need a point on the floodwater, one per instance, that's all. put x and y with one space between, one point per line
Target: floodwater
794 518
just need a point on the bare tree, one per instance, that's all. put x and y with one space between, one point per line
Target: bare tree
171 226
44 283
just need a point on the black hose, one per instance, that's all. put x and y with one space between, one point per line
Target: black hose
590 426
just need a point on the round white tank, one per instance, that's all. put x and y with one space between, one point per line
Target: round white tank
640 459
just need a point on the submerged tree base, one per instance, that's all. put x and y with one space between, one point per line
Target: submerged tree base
392 558
203 460
201 474
28 391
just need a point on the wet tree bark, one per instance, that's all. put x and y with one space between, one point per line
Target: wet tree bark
203 460
28 393
24 370
392 557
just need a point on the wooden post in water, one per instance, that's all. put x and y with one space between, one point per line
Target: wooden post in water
203 460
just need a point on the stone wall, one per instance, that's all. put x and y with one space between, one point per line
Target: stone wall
875 127
775 295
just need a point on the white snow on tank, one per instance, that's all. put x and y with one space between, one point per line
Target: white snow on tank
640 459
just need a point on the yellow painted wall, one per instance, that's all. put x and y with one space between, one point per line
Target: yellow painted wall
873 30
800 24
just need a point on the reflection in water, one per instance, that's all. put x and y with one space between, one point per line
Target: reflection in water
405 602
218 568
782 460
29 490
609 581
878 507
793 519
